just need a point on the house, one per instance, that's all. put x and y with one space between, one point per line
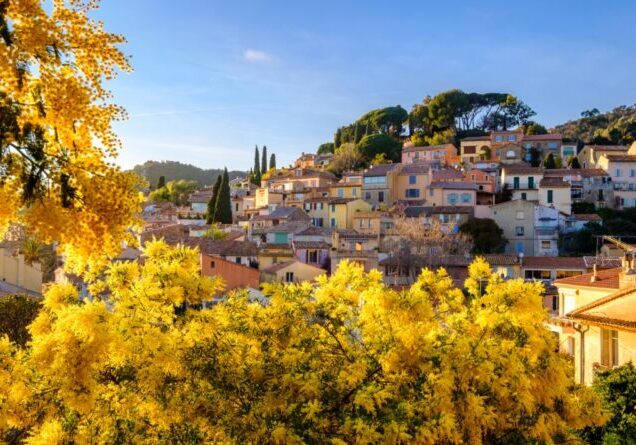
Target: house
622 169
547 269
445 193
258 225
343 210
292 271
284 233
445 154
199 200
450 217
16 274
590 154
475 148
306 160
596 321
238 252
555 192
265 197
522 181
568 151
486 182
358 248
374 222
543 145
577 221
347 187
313 252
234 275
520 220
171 233
318 210
323 160
378 184
593 185
412 181
506 146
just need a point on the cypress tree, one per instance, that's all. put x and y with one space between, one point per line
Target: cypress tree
550 163
574 163
264 160
161 183
272 161
257 164
223 211
213 199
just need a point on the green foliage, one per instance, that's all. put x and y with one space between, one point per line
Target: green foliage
550 162
574 162
256 170
486 234
264 160
617 388
346 158
176 192
215 233
378 144
174 171
583 207
532 128
211 218
16 314
617 126
503 195
161 182
223 208
327 147
388 121
272 162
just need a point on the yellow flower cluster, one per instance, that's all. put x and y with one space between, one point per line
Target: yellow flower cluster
345 361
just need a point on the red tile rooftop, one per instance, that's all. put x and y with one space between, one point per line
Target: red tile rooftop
605 279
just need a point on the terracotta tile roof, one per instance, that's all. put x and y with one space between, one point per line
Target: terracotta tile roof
553 262
416 211
288 227
617 318
280 266
587 217
543 137
172 234
342 200
224 247
440 175
554 183
454 185
607 279
316 231
501 259
621 158
522 169
584 172
417 168
275 246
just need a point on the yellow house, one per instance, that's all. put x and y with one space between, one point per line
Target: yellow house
375 222
342 211
557 193
292 271
522 181
474 149
318 210
451 193
590 154
346 190
597 320
265 197
15 272
412 181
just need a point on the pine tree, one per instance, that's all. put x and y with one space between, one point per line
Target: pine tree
223 211
272 161
264 160
213 200
574 163
161 183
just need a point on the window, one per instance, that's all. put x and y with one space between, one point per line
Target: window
412 193
524 196
236 207
568 152
531 182
312 256
380 196
567 273
375 180
289 277
367 196
515 182
212 264
333 207
431 192
550 196
609 348
412 179
333 222
354 192
546 244
499 138
452 198
618 173
538 274
512 138
552 145
340 193
519 247
470 150
632 172
555 303
466 197
520 214
527 145
519 230
510 154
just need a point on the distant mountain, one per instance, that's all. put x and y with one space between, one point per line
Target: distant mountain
617 126
173 170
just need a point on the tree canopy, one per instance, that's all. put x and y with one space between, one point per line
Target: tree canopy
348 360
487 236
176 192
378 144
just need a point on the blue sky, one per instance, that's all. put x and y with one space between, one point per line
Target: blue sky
212 79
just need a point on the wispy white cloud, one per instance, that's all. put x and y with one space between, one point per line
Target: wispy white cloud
254 55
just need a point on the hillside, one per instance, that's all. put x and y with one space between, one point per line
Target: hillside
617 126
173 170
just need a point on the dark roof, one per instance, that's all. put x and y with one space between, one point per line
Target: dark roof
288 227
477 138
289 213
316 231
311 245
172 234
417 211
447 174
607 279
419 168
554 183
604 262
587 217
342 200
454 185
380 169
224 247
584 172
522 169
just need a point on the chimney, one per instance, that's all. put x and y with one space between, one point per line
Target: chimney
594 277
627 275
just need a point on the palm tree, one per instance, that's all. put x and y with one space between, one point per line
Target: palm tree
31 249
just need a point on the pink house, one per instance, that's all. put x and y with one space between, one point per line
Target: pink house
444 154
